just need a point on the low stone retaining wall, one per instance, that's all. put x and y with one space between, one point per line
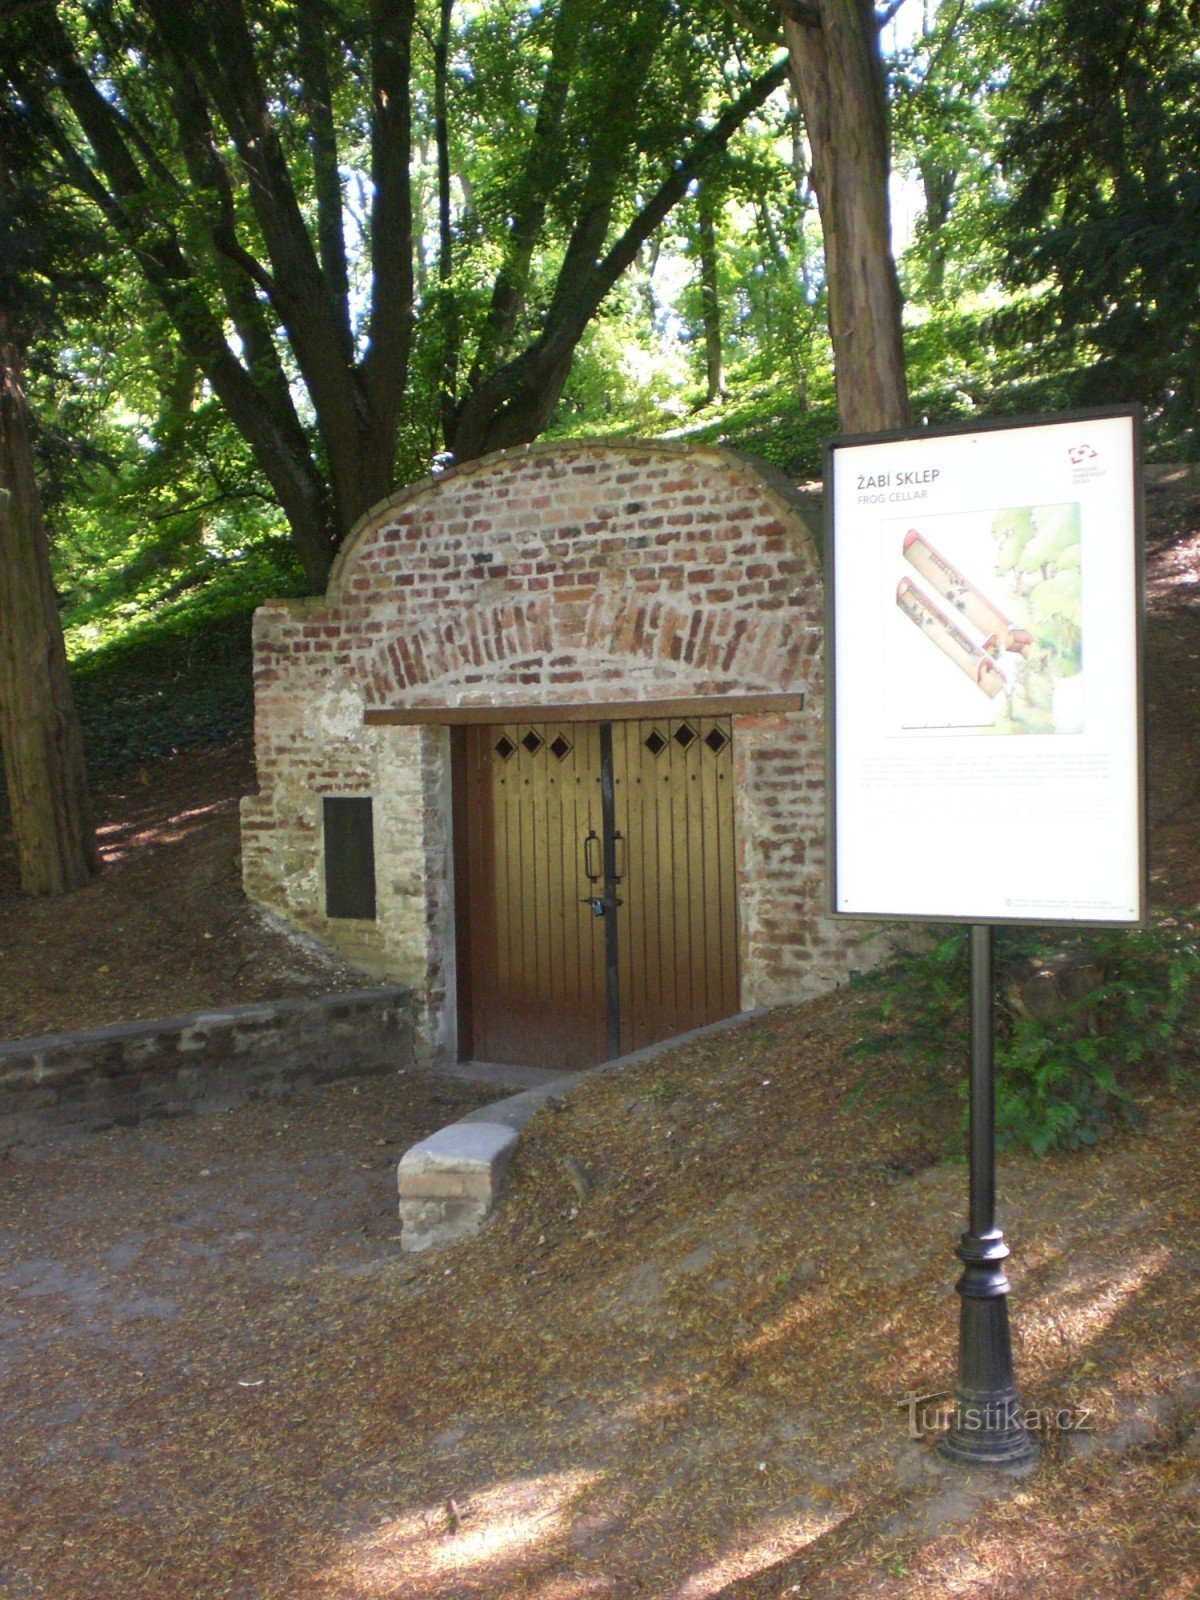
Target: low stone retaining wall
124 1074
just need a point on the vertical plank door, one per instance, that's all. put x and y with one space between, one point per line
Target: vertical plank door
678 966
536 952
535 842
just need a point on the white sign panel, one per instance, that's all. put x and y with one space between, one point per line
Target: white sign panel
985 699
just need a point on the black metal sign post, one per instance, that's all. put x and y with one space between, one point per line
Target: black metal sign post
988 1428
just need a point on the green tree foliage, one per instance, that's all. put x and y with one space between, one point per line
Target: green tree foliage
1101 154
151 493
947 90
967 344
256 158
767 277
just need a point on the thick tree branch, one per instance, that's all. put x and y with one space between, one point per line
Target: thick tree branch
675 186
607 161
513 405
385 363
539 177
207 172
221 51
323 149
125 199
237 272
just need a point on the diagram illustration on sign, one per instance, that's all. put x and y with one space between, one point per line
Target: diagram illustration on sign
986 621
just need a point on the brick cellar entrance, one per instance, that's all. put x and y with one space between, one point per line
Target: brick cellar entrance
549 751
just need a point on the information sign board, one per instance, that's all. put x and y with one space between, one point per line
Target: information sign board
984 672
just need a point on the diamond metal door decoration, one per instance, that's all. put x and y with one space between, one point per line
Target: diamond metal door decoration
505 748
532 742
684 736
560 749
655 742
715 740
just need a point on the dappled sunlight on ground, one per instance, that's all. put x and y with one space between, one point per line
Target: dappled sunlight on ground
799 1312
1173 574
473 1543
1088 1302
119 840
778 1539
565 1409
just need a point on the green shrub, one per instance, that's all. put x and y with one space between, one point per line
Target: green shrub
1062 1070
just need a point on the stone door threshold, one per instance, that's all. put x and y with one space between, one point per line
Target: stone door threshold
501 1074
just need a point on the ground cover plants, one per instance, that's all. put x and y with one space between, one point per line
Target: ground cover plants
1080 1021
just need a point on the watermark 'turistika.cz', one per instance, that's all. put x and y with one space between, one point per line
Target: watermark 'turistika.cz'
938 1411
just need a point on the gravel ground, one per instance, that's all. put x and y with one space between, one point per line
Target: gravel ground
154 1283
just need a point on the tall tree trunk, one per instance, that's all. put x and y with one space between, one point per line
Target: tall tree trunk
938 183
833 48
39 730
710 295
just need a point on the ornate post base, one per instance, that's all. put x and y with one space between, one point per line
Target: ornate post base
988 1428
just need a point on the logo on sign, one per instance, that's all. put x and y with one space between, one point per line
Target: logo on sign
1084 463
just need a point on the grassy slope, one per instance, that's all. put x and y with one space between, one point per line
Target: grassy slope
155 676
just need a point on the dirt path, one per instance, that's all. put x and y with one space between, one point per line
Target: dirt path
220 1379
165 1290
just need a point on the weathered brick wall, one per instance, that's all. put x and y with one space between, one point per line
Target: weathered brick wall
560 574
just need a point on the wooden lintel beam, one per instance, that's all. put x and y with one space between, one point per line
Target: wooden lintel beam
730 705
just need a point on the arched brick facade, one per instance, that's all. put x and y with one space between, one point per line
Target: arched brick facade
561 574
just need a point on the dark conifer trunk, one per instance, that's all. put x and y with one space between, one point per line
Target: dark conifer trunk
39 730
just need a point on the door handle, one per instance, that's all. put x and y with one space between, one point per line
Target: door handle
591 848
619 862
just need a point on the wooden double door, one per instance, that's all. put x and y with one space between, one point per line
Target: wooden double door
595 886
